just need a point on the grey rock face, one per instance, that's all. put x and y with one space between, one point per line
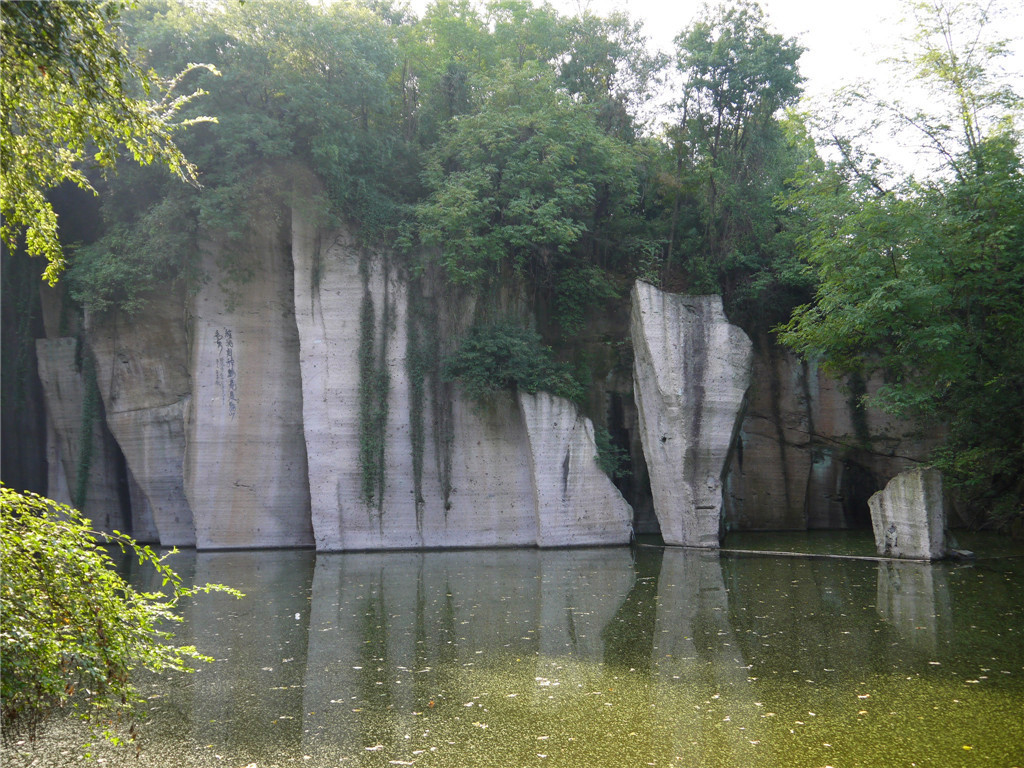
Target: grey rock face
691 371
809 454
245 457
909 516
64 389
577 504
472 477
142 370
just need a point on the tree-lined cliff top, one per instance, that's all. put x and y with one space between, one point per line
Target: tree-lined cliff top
503 140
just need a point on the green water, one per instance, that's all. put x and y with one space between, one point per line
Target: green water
605 657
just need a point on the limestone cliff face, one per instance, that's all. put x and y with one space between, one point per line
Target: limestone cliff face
808 454
445 473
64 389
245 459
143 377
691 370
301 406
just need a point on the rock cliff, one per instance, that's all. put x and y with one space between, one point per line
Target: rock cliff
76 427
809 453
576 502
143 378
245 456
297 402
692 369
439 471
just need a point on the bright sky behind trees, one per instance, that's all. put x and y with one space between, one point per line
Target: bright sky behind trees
844 43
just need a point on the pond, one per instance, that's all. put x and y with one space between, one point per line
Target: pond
600 657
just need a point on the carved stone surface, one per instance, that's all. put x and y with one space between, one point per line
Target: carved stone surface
577 504
469 479
692 369
909 516
63 393
142 370
245 456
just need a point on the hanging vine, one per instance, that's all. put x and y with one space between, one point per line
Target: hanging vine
374 382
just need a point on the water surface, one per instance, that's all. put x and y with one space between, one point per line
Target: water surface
605 657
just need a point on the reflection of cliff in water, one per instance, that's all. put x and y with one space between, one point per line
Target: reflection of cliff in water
695 650
252 693
396 634
913 598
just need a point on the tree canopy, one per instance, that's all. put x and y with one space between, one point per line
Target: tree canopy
921 281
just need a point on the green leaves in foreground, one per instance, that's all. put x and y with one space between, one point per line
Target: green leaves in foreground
74 631
72 94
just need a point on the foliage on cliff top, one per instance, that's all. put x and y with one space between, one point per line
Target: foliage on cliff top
506 356
74 632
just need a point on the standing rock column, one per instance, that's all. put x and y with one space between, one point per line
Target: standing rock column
909 516
142 372
65 389
691 372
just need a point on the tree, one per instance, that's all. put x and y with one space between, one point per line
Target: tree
920 281
302 91
731 148
74 632
515 186
66 95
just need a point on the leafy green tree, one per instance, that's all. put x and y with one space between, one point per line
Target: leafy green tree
72 93
74 633
305 98
514 187
505 357
732 150
920 281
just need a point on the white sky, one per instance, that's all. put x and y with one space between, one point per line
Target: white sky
843 40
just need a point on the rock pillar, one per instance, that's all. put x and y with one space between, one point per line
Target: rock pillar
65 390
142 372
909 516
691 373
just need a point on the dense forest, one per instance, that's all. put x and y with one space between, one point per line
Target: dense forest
506 142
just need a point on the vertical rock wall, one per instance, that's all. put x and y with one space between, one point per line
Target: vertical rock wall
576 502
64 389
245 458
469 480
692 370
809 454
143 377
